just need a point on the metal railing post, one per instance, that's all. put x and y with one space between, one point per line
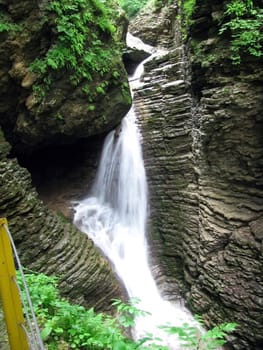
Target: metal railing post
9 294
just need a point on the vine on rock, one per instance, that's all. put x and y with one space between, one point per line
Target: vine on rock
6 25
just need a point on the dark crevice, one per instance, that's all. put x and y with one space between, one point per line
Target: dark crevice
63 174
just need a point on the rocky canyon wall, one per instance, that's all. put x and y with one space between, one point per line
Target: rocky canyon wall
202 129
47 242
59 102
202 126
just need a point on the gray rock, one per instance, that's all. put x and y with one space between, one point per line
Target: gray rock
49 243
66 113
203 153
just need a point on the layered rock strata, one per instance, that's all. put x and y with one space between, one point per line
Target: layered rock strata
228 150
202 132
49 243
165 113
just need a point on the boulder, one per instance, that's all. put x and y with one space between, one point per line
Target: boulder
63 112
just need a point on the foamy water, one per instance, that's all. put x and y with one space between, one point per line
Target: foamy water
114 216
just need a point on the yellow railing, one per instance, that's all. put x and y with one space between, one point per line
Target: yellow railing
9 294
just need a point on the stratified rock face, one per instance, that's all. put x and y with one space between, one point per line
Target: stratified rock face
50 244
203 149
164 105
228 150
66 113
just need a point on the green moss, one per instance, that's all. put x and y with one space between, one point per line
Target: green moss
59 116
159 4
189 9
125 91
83 46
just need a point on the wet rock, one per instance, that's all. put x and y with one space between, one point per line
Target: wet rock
136 50
202 132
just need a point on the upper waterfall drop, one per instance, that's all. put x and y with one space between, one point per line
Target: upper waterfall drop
121 181
114 216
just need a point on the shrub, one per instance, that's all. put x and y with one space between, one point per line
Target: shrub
82 28
241 23
70 325
64 323
192 337
243 20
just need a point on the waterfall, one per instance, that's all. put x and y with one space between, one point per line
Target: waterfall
114 216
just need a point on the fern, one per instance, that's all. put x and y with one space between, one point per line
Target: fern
78 46
245 26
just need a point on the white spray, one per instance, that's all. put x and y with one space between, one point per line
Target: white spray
114 216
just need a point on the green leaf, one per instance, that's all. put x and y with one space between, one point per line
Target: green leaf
46 332
119 345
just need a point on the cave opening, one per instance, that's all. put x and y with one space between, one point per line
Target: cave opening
62 173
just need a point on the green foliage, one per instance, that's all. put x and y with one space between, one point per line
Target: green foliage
193 337
188 8
244 22
132 7
59 116
128 312
6 25
82 27
215 337
158 5
68 326
62 322
91 108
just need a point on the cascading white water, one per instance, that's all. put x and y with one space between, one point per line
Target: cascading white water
114 216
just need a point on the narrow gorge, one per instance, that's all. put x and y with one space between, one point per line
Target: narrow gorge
201 122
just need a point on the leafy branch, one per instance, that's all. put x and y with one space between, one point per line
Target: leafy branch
194 337
132 7
128 312
244 22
